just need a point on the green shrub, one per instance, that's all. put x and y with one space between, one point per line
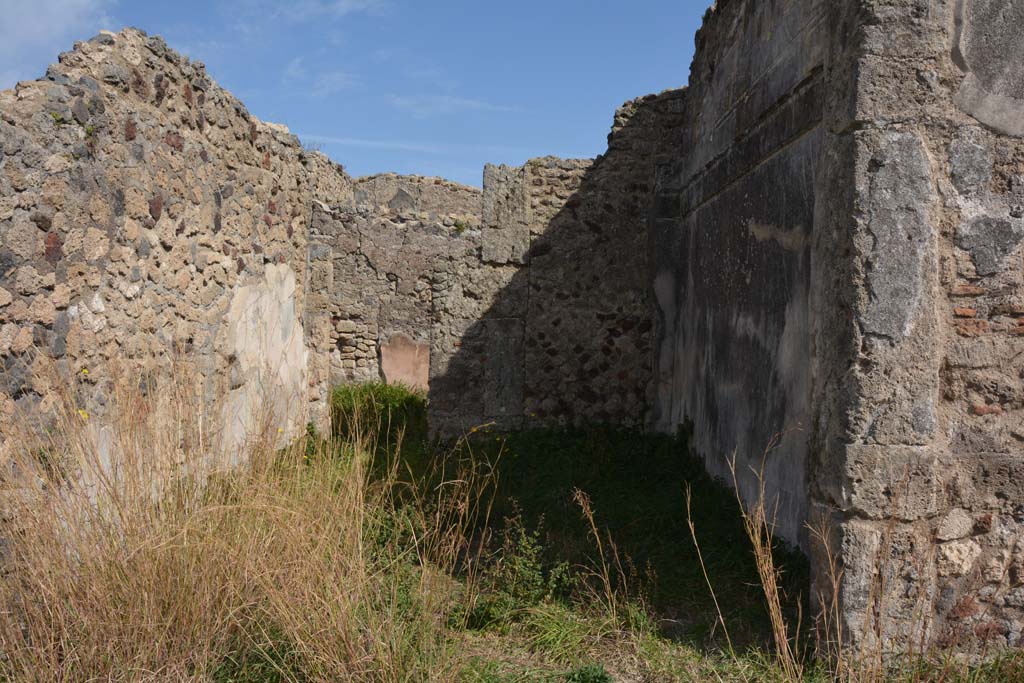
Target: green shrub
380 412
517 578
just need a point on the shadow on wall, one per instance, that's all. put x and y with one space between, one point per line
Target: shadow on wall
568 336
667 282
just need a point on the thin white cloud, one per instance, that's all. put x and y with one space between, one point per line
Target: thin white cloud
431 148
306 10
34 32
387 54
328 83
294 70
254 16
431 75
416 67
316 84
423 106
420 148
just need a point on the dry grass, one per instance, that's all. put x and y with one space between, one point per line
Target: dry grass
135 549
759 523
137 553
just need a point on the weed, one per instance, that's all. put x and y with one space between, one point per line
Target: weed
386 413
274 660
515 578
492 671
589 673
562 634
759 524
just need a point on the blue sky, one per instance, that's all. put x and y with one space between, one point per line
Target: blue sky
436 87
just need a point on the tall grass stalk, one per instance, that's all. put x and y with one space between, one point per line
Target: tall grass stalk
759 523
611 579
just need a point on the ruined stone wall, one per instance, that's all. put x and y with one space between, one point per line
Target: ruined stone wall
534 309
424 195
920 281
569 338
376 271
731 247
836 250
819 238
144 215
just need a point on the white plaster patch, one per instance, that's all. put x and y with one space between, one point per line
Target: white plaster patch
265 337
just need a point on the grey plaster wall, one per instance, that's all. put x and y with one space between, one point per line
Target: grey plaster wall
731 239
836 248
987 49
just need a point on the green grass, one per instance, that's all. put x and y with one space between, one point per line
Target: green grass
383 409
537 590
392 417
559 556
589 673
492 671
537 612
272 661
636 483
537 582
